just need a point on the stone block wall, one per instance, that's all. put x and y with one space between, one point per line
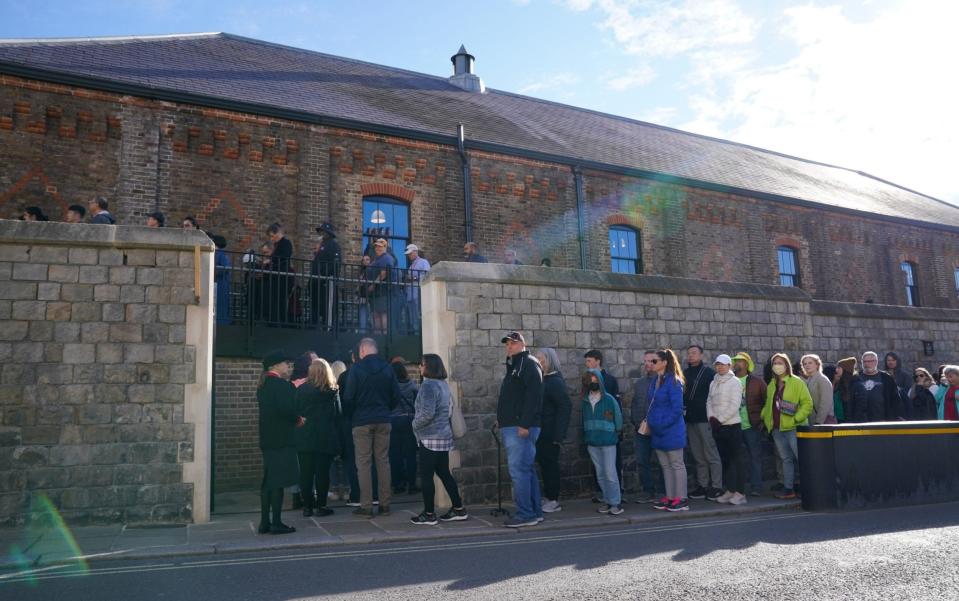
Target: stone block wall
469 307
105 337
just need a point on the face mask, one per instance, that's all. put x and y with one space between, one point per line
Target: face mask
594 386
779 369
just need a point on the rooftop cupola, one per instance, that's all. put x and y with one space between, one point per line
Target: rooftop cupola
463 76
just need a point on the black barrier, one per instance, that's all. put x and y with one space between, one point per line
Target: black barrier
859 466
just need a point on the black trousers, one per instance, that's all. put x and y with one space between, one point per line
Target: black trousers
270 498
547 456
315 472
729 443
437 462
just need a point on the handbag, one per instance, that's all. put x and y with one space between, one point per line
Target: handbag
787 408
644 425
457 421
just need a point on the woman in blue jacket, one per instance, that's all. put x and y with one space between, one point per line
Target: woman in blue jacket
668 429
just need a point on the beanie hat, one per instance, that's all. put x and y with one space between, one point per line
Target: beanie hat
848 365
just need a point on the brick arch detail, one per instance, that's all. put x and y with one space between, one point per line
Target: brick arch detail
914 259
620 219
787 241
392 190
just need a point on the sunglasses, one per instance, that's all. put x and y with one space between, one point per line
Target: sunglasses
656 361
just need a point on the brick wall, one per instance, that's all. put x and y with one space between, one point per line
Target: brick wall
237 453
468 308
237 173
101 401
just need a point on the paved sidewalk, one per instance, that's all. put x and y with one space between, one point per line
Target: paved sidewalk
236 533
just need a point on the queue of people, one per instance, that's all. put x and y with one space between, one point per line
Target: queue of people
386 430
311 412
723 412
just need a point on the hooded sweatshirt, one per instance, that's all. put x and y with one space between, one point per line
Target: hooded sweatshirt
602 419
725 398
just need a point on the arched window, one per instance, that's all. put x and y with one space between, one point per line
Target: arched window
912 290
788 266
624 250
389 219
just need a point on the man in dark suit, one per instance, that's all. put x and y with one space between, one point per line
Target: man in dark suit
278 419
325 268
282 283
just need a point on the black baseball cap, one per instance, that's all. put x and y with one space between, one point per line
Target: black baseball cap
514 336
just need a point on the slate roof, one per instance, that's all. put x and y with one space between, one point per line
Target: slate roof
239 70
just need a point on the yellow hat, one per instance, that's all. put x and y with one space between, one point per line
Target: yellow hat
744 356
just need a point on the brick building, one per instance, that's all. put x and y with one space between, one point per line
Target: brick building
242 133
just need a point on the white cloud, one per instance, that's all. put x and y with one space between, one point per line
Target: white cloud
660 28
551 82
634 78
878 95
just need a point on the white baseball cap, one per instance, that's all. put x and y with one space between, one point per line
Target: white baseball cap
724 359
411 248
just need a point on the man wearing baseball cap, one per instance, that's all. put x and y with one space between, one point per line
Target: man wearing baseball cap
417 268
518 415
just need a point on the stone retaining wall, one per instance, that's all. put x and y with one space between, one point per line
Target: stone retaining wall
468 308
105 347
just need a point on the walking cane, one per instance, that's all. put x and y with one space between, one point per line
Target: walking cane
499 476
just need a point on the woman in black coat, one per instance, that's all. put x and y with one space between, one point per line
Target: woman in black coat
317 443
278 422
557 409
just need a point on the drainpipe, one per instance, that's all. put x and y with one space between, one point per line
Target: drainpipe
467 185
580 216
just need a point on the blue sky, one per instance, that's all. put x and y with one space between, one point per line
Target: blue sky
866 84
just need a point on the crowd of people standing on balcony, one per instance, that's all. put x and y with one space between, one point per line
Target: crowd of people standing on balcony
276 291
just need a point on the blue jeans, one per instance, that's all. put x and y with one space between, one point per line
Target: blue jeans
520 455
604 460
644 457
754 445
789 451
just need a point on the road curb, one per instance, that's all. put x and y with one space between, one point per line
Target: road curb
630 518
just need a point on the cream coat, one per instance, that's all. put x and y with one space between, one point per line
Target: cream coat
725 397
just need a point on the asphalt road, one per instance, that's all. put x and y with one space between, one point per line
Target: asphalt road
906 553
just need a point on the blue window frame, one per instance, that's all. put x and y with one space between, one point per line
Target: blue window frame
912 290
956 276
788 266
624 250
388 219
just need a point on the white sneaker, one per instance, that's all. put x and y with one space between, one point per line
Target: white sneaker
551 506
738 499
725 497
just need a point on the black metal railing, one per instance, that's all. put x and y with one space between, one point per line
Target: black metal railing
256 293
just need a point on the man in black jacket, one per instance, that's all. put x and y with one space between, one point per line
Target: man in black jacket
282 283
882 401
370 396
702 445
325 268
518 415
278 418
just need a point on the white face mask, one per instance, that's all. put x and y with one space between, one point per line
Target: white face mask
779 369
